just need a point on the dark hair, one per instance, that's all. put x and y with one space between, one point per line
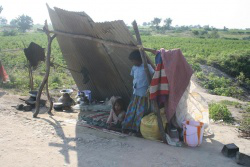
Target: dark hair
120 102
135 55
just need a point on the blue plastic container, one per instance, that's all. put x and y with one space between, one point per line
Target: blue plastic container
87 94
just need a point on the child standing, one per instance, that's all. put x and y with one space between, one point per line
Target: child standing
138 105
116 115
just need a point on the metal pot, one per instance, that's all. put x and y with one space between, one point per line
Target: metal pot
58 106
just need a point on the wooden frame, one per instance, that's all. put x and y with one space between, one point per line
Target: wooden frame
45 79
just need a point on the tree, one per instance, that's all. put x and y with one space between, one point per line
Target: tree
1 9
206 28
13 22
156 22
3 21
214 34
168 22
24 22
144 23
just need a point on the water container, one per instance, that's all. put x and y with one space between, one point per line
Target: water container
193 133
87 94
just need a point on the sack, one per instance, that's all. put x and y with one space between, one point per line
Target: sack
149 126
192 106
193 133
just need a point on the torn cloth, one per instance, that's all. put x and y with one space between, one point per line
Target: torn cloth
159 83
178 73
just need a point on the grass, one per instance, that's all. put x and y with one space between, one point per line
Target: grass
231 103
220 112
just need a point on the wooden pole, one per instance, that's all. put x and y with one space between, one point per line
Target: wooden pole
154 103
31 77
45 79
49 98
144 60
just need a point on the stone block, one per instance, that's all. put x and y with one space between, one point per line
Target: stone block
230 150
242 159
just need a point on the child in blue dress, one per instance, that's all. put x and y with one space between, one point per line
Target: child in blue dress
138 105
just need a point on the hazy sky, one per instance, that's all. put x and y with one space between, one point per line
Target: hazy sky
217 13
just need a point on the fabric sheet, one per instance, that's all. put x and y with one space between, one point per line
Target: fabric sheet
178 73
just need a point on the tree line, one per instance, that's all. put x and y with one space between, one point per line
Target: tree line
167 25
22 22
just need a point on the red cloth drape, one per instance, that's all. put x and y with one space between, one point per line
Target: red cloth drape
3 74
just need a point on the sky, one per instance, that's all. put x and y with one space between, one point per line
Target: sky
216 13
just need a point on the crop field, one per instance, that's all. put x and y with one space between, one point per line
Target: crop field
230 56
15 63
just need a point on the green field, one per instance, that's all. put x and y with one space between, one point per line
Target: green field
231 56
16 64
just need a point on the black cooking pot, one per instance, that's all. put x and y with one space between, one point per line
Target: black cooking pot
33 93
58 106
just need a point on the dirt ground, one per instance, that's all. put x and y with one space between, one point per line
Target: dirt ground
58 141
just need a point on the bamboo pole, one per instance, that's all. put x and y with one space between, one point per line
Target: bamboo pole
154 103
45 79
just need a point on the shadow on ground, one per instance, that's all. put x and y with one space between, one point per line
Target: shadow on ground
96 148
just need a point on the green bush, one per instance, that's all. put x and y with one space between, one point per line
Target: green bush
9 33
214 34
221 86
196 67
245 123
195 32
220 112
200 75
246 38
234 64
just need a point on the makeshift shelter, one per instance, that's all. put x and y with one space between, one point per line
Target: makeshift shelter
97 54
108 66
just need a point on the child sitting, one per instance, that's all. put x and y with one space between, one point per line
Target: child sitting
116 115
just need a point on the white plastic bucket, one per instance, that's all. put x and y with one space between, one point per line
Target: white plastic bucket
193 133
